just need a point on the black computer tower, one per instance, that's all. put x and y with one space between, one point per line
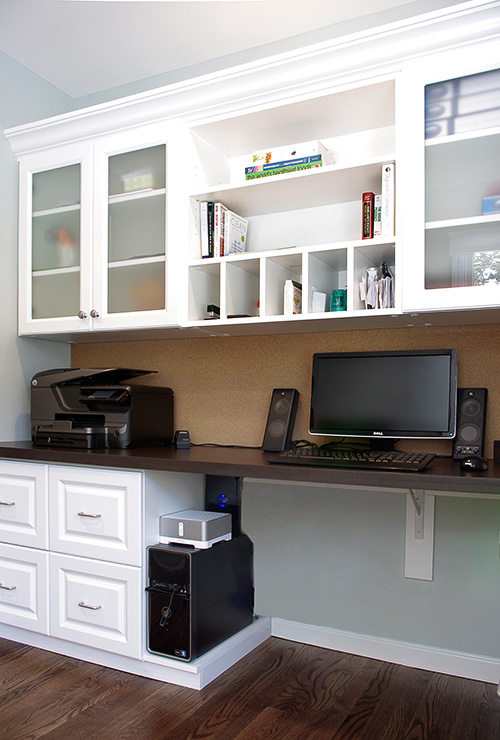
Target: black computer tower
198 598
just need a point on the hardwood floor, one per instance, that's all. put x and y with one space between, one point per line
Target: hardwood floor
281 690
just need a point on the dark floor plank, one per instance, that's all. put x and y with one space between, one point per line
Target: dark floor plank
281 691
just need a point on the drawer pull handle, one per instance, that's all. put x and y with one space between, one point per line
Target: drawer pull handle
88 606
8 588
89 516
7 503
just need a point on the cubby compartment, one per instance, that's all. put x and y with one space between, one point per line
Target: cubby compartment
372 257
327 272
203 289
278 269
242 288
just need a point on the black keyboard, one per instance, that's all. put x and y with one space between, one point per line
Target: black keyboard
393 460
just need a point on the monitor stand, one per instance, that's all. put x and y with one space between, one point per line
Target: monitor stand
382 444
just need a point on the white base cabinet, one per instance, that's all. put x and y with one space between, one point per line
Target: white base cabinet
73 567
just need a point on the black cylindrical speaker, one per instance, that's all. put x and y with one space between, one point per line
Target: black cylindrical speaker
471 419
280 420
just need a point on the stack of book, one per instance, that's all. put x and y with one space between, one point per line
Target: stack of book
378 210
284 159
222 231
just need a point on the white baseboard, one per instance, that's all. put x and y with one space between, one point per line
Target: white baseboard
440 660
193 675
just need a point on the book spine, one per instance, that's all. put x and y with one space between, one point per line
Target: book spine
377 215
204 229
263 167
210 227
222 238
282 170
387 215
217 224
367 215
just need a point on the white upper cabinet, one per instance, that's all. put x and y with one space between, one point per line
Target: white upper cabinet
94 234
452 198
112 196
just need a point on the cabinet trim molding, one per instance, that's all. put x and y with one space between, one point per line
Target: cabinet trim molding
308 70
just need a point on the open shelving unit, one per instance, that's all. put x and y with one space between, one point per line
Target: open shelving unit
304 226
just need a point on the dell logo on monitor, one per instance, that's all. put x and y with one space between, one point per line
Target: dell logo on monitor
378 434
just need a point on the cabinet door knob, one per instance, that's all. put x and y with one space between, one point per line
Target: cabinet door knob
7 503
8 588
89 606
89 516
82 315
94 314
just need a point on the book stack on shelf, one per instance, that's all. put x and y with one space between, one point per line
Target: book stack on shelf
283 159
378 210
222 231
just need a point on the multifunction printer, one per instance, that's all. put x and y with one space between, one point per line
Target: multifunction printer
90 408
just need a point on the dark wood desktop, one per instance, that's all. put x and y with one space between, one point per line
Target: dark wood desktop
442 474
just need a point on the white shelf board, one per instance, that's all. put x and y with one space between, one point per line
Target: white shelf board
306 189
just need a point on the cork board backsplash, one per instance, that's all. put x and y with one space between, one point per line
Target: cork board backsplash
223 385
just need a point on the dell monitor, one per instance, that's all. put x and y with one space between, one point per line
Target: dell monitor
384 396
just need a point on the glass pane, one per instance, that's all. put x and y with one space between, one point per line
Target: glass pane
56 240
136 288
138 170
462 105
465 256
136 228
56 295
56 188
463 178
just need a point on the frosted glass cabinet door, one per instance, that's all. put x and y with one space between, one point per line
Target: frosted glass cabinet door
131 233
55 249
462 158
452 212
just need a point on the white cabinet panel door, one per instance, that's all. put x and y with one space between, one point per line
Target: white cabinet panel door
96 604
96 513
24 588
23 504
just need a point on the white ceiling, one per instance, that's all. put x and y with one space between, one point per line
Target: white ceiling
88 46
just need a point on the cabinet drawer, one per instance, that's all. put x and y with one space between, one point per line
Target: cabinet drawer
24 588
23 504
96 604
96 513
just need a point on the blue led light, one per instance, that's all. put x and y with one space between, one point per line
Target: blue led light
222 500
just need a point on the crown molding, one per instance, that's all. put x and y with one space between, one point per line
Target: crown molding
309 70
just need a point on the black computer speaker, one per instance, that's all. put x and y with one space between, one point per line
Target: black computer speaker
280 420
471 419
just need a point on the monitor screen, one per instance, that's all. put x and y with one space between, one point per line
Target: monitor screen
384 394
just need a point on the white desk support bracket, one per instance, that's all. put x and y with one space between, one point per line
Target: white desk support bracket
419 545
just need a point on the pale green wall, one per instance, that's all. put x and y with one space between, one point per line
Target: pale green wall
335 558
23 97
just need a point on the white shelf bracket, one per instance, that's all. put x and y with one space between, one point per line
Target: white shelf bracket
418 498
419 544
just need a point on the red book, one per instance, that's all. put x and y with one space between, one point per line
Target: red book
367 215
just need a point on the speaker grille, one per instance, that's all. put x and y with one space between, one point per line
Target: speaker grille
280 420
471 419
